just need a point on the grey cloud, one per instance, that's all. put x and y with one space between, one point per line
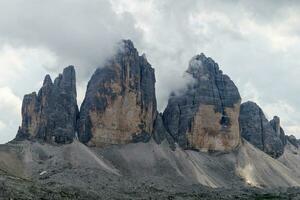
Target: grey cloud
77 32
249 39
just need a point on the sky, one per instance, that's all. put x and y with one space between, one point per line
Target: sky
256 43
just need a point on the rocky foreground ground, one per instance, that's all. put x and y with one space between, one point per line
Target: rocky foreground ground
32 170
16 188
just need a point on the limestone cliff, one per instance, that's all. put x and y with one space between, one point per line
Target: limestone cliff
205 116
51 114
275 123
267 136
120 103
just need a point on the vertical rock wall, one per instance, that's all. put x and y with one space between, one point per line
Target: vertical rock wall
120 103
267 136
205 116
51 114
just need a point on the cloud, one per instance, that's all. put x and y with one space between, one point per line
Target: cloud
74 31
39 37
10 106
2 126
257 47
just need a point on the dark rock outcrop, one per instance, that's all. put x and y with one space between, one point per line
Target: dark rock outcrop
256 129
160 133
205 116
120 103
293 140
275 123
51 114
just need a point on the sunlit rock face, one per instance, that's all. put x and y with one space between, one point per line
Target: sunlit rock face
267 136
51 114
120 103
205 115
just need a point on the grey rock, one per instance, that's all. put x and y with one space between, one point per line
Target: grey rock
120 103
293 140
256 129
160 133
51 114
275 123
209 88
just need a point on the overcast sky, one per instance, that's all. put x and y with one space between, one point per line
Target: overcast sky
256 43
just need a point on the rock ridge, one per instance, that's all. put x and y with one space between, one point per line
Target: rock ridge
51 114
205 116
120 103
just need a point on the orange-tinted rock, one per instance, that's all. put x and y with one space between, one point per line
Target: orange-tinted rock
120 104
205 116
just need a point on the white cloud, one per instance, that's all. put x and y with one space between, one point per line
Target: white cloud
257 47
10 101
74 31
2 126
10 106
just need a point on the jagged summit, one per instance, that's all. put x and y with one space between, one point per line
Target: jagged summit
265 135
205 70
205 116
128 46
51 115
120 103
47 80
200 65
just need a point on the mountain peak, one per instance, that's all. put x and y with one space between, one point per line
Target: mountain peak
51 115
122 89
47 80
208 111
202 67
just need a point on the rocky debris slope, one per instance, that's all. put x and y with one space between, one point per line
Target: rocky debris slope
138 170
255 128
120 103
51 114
205 116
16 188
291 158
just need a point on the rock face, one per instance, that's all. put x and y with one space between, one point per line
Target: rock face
275 123
51 114
293 140
120 103
160 133
265 135
205 116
